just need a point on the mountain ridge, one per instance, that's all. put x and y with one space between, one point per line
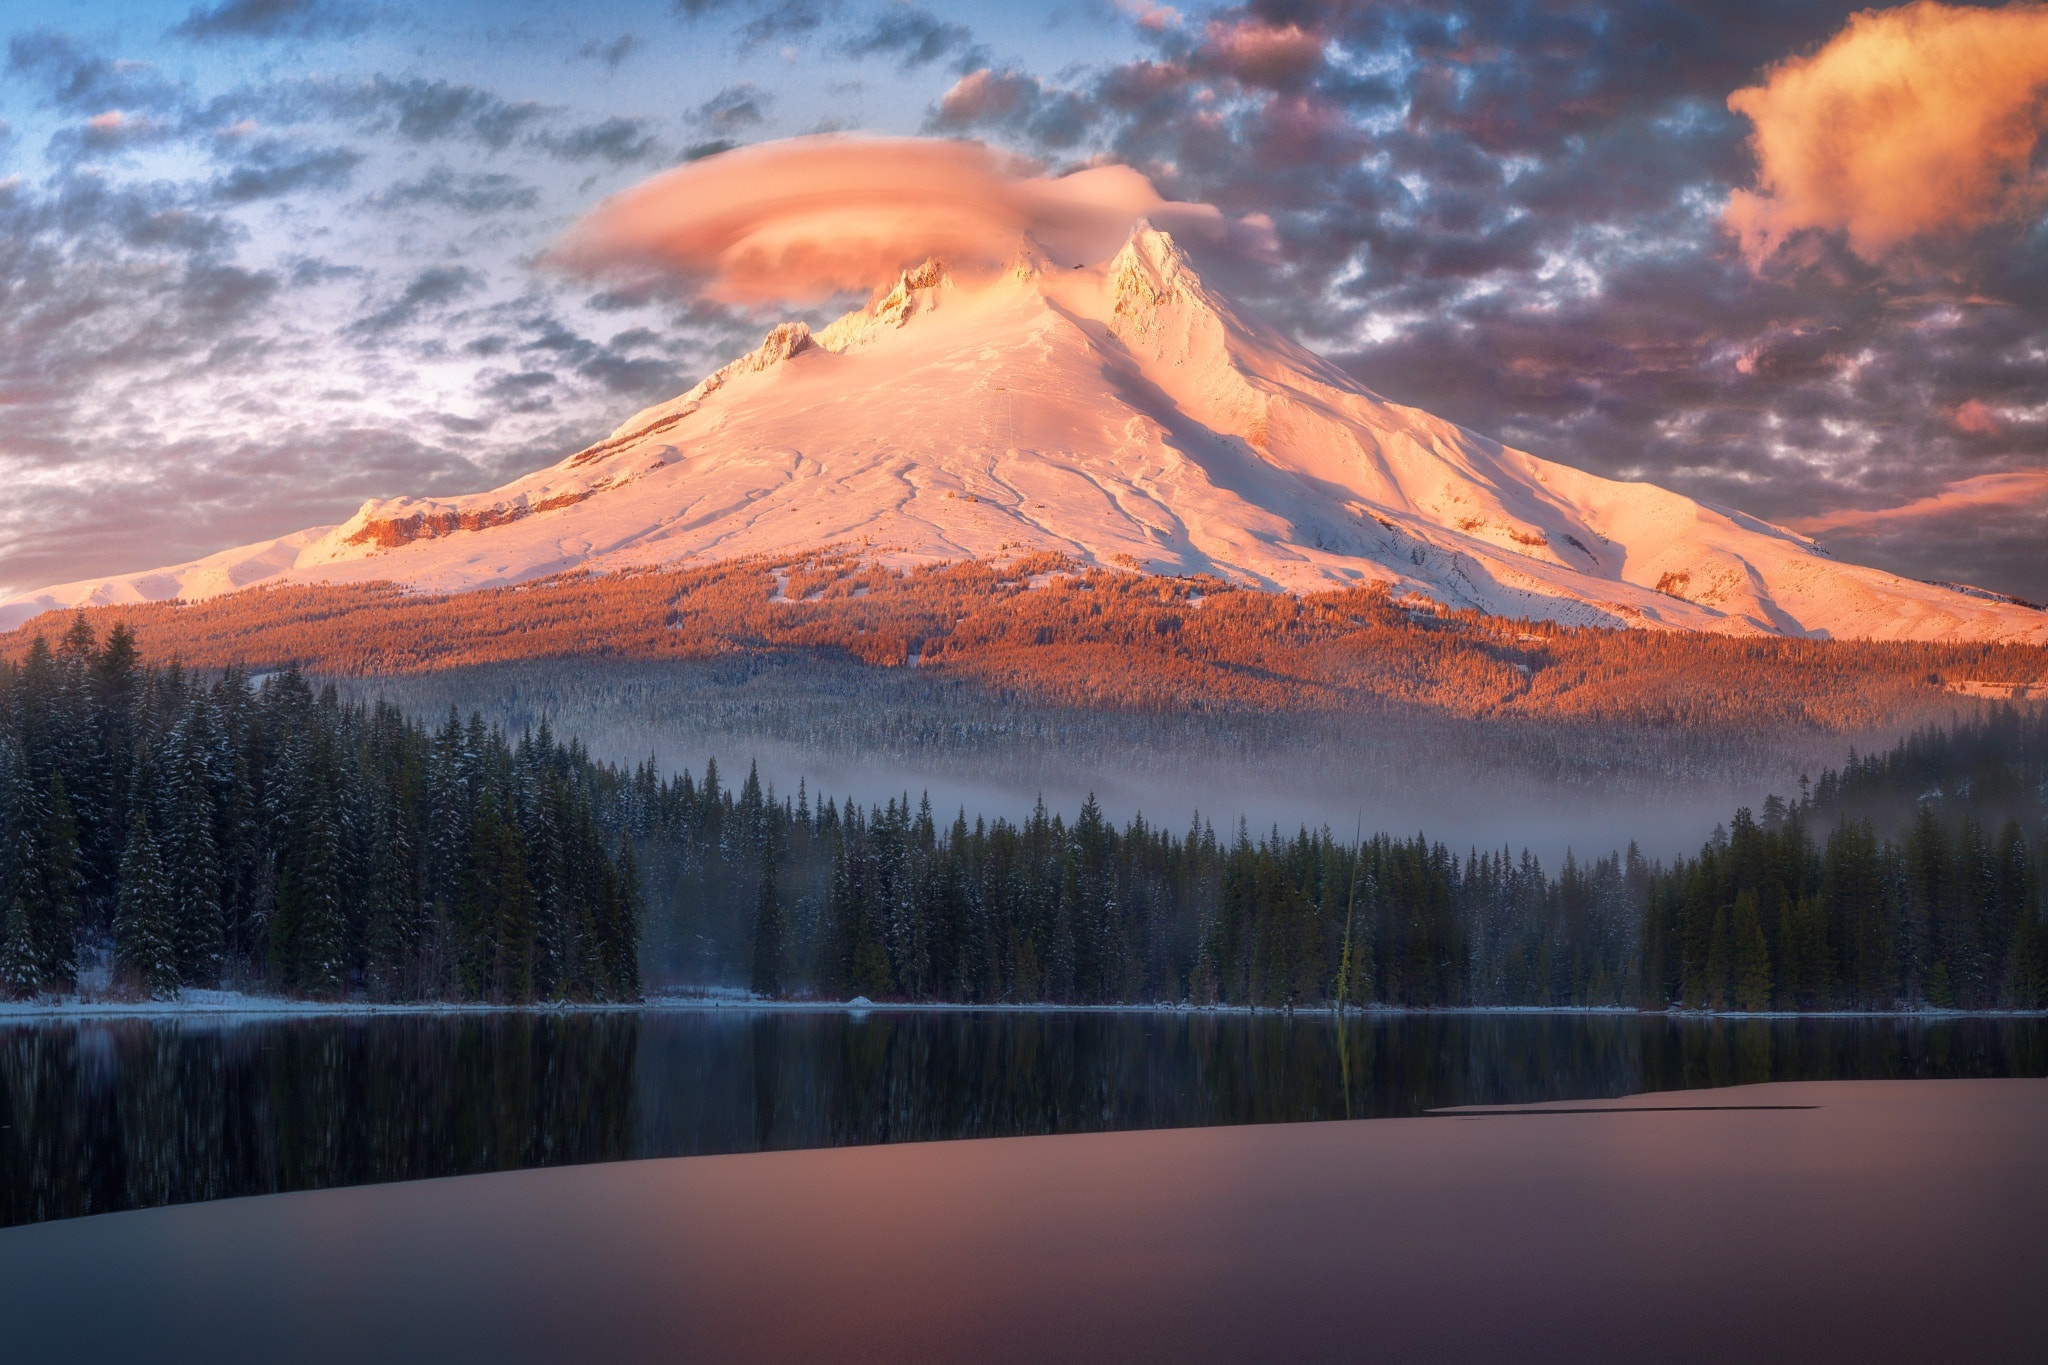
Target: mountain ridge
1124 414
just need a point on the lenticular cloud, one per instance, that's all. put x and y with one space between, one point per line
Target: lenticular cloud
1915 122
805 218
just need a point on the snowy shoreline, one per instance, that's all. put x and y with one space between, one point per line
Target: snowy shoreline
202 1005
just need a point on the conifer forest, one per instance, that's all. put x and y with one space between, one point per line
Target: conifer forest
167 828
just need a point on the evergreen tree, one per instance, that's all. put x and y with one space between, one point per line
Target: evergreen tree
191 857
768 929
1750 988
145 929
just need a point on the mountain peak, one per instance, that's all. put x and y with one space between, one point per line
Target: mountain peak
916 290
1118 412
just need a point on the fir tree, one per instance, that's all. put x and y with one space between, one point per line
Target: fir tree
768 929
1750 987
191 858
145 928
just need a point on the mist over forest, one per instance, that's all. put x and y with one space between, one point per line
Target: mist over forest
849 731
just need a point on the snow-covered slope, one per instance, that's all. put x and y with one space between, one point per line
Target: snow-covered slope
1128 415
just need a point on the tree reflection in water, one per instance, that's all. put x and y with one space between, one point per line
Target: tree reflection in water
101 1116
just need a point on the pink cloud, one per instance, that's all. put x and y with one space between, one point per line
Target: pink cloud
987 94
1253 52
1910 123
2019 490
1153 18
1976 418
805 218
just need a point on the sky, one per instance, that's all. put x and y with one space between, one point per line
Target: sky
261 260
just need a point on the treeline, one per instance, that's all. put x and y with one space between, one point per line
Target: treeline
1817 905
161 829
1909 877
180 829
833 899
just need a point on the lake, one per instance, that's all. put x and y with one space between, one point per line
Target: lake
105 1116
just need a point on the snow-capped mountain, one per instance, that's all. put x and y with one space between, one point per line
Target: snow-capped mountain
1127 414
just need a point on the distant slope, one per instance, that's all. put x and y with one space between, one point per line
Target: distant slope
1123 415
1045 632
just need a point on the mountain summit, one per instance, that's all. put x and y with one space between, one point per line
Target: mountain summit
1126 414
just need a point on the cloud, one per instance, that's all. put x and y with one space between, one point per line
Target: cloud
1911 123
421 110
1975 417
430 289
272 168
618 139
913 36
734 109
85 82
806 218
1150 16
476 194
1016 102
108 132
2024 490
611 53
772 20
270 19
1258 53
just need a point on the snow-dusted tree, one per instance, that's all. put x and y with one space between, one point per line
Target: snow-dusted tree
190 855
145 939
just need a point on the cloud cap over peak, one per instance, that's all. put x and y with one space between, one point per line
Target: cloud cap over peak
1911 123
804 218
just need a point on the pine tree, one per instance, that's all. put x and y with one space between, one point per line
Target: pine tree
767 978
145 937
319 958
191 858
1750 988
21 966
53 901
1720 961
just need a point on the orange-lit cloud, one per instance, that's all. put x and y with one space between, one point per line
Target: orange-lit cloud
2019 490
1150 16
805 218
1259 53
1975 417
1910 123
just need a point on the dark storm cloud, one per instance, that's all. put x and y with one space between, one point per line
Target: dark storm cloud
271 19
914 37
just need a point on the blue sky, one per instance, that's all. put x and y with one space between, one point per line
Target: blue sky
263 259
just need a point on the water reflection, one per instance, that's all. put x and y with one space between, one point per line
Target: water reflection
102 1116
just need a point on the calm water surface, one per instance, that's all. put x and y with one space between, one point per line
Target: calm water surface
97 1117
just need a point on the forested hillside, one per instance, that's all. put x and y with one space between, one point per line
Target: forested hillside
1043 631
1914 876
159 829
188 829
1811 907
